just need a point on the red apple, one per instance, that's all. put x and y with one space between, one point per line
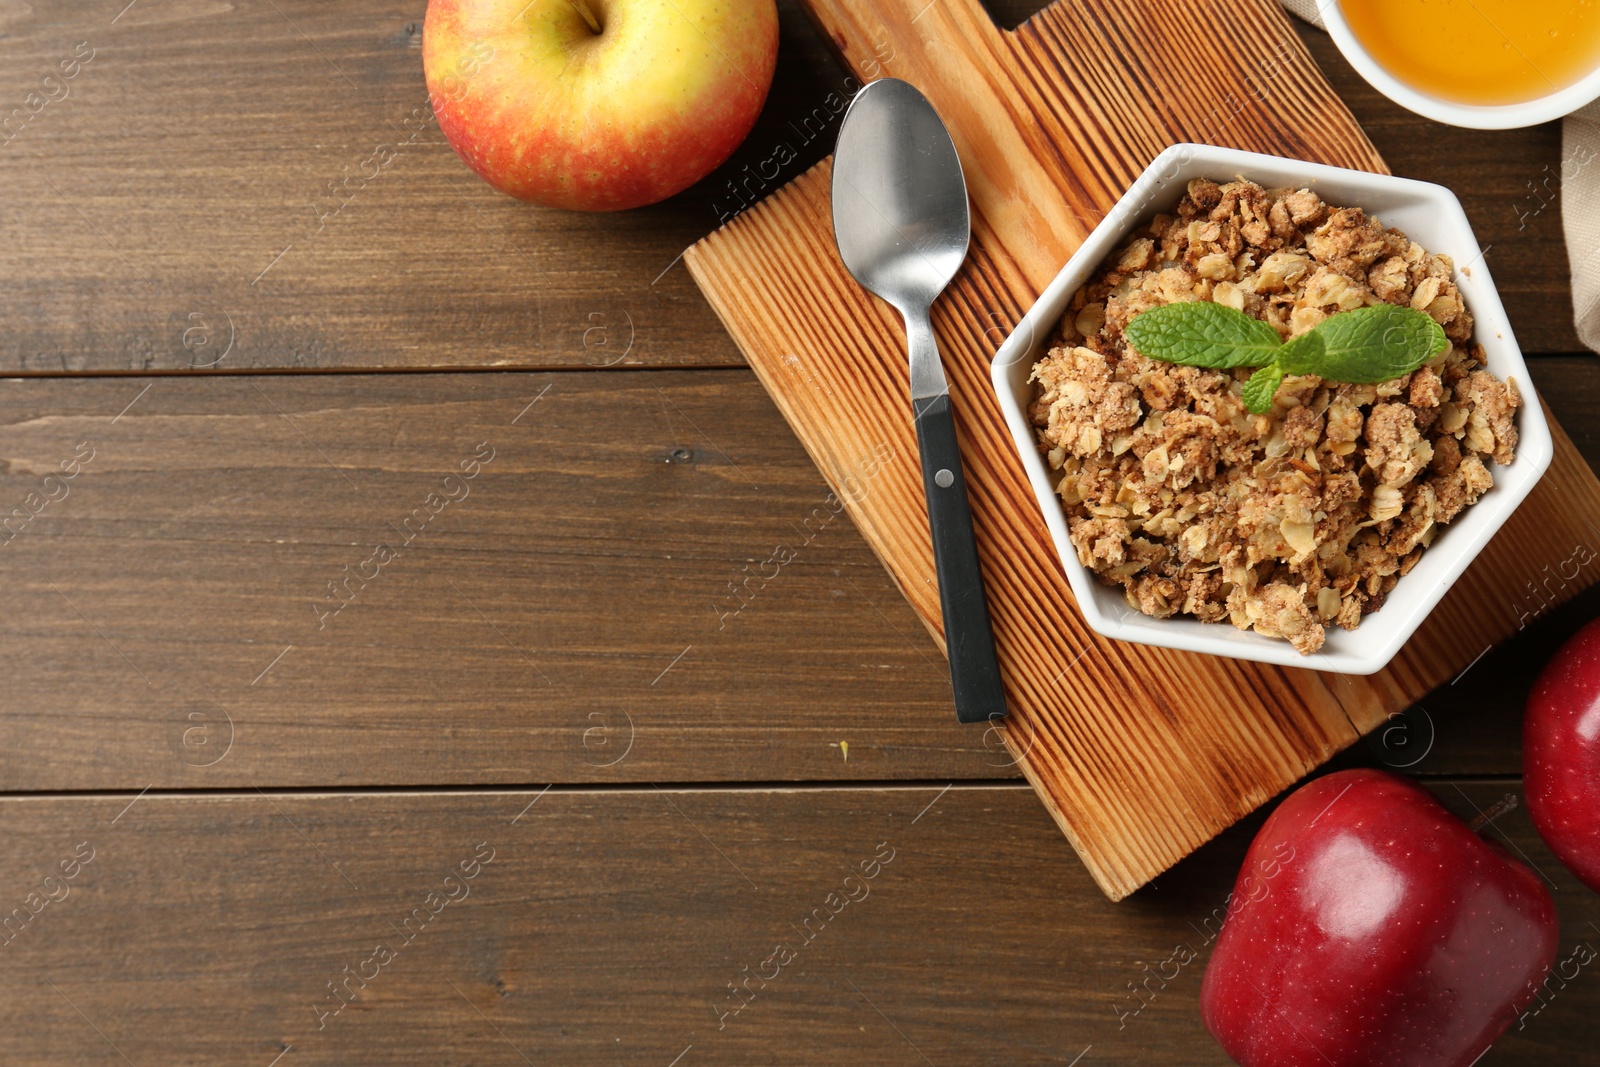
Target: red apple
1370 926
1561 754
597 105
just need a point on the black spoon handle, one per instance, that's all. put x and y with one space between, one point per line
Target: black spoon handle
969 641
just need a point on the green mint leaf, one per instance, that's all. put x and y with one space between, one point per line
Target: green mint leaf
1203 334
1262 387
1303 354
1367 345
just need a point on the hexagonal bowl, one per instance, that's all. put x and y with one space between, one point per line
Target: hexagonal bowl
1428 214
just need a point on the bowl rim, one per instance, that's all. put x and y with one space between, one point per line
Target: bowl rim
1471 116
1402 616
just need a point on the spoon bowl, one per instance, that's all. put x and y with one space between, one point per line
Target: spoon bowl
900 212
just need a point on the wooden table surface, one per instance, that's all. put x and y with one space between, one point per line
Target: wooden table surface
573 736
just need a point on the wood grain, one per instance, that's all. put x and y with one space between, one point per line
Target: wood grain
1140 754
607 926
199 142
178 197
617 597
204 528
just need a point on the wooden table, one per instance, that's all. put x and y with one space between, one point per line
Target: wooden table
571 747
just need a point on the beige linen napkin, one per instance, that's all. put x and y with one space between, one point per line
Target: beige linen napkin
1579 182
1580 211
1310 10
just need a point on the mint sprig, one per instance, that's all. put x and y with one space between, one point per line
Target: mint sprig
1365 346
1204 334
1261 387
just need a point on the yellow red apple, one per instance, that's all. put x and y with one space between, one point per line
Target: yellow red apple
597 105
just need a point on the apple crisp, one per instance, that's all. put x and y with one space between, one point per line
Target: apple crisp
1282 523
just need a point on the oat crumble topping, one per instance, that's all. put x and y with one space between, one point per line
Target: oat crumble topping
1283 523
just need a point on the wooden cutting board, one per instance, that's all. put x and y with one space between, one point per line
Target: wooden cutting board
1140 754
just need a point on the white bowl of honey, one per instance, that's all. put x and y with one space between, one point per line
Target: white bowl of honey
1484 64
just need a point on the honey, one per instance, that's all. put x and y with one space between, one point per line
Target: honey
1480 51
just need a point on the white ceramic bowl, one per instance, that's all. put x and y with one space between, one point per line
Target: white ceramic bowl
1430 215
1472 116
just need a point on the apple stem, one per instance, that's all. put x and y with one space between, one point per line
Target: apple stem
1497 809
588 16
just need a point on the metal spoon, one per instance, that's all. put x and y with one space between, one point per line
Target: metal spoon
901 221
